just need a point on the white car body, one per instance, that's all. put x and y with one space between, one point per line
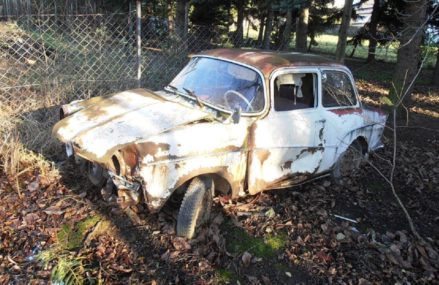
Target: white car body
160 141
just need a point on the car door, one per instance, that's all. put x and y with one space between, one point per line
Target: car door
341 111
286 146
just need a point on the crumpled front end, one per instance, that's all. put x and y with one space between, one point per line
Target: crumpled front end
98 127
147 146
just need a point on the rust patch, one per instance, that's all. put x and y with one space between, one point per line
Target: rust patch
267 61
282 182
310 150
321 133
96 107
262 155
250 146
251 136
232 148
229 148
346 111
151 148
287 164
129 155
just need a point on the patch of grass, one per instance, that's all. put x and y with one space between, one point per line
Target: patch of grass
224 276
328 44
276 243
68 271
374 74
71 237
238 241
67 266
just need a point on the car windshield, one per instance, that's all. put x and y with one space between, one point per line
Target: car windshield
223 84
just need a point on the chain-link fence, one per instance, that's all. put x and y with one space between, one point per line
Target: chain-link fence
48 60
94 54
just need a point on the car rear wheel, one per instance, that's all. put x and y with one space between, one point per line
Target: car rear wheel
195 207
348 163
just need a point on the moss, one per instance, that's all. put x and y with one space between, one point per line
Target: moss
238 241
276 243
71 237
224 276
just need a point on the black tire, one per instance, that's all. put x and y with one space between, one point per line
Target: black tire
348 162
195 207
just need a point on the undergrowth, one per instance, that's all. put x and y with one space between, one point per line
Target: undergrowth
66 262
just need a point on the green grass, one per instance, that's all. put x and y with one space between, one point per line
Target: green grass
224 276
67 266
328 44
239 241
370 73
71 237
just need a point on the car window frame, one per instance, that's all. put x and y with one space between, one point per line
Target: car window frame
346 71
288 70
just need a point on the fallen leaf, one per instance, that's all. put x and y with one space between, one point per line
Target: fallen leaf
181 243
340 236
270 213
53 210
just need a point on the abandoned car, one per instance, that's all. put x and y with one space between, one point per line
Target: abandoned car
232 122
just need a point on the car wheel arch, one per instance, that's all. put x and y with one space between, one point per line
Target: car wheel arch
222 182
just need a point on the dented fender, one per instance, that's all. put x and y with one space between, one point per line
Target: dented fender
166 161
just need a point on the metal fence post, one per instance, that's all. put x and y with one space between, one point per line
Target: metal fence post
139 42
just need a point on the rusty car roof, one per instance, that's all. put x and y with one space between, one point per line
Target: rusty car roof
268 61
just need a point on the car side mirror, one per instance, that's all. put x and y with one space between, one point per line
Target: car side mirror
236 115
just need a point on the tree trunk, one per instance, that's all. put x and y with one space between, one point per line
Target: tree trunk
169 16
436 71
180 18
286 37
343 33
240 22
409 52
302 29
261 29
268 27
373 30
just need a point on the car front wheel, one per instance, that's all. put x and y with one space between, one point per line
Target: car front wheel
195 207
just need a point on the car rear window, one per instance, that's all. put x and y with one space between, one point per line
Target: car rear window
337 89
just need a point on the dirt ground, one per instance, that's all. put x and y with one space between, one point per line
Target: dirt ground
55 225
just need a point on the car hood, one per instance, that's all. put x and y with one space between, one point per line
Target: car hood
102 125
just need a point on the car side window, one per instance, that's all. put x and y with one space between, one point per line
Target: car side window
337 89
294 91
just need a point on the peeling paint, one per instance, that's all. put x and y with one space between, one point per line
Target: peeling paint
162 143
262 154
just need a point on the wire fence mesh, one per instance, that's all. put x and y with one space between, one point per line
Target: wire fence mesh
91 55
48 60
